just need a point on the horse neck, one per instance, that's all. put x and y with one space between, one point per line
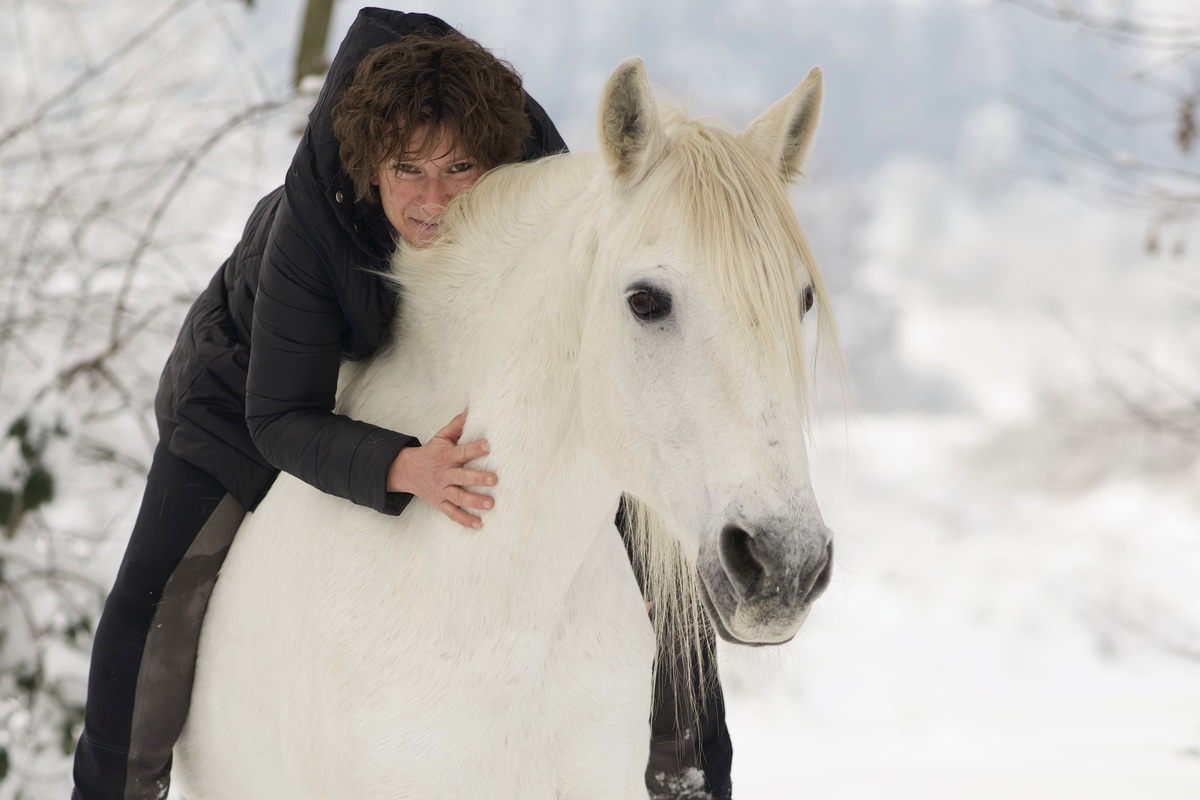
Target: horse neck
505 330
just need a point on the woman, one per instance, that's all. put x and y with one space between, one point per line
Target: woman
412 113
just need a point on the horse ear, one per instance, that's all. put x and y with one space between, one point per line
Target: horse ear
630 133
785 131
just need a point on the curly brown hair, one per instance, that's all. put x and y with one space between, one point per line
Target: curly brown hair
429 79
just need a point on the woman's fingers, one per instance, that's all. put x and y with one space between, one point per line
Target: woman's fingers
435 472
464 499
458 515
454 428
471 451
471 477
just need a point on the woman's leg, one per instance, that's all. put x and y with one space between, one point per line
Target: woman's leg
691 755
686 752
143 653
716 749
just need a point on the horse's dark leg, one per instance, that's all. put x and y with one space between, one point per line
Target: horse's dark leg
689 758
143 653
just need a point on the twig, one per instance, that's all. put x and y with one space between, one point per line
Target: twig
192 162
91 73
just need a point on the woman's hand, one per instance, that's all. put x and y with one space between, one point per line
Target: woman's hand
435 473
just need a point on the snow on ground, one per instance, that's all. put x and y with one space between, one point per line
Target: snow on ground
978 640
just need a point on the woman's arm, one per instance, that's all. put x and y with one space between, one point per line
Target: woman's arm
295 354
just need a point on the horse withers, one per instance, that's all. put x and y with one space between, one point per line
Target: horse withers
628 321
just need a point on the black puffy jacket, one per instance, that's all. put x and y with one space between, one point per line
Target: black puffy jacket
249 388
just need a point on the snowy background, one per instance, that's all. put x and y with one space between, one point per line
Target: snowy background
1015 486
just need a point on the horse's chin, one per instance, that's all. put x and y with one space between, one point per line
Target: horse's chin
762 637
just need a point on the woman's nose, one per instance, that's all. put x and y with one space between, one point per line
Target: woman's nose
436 192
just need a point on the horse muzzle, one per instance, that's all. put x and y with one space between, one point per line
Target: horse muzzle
759 581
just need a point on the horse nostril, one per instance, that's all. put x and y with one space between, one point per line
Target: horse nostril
824 576
742 564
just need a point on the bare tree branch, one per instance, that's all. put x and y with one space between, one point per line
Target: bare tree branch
91 73
1173 30
180 180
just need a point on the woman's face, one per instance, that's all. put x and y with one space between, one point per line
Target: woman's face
414 191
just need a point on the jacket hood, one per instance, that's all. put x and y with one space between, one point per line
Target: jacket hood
373 28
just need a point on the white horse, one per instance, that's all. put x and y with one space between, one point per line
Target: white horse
622 322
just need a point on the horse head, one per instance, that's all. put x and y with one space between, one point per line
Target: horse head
693 357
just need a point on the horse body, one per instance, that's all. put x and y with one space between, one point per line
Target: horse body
348 654
410 691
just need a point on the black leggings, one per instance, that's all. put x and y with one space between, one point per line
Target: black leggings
144 652
697 748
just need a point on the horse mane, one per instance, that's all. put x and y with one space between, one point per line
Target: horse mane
498 209
736 211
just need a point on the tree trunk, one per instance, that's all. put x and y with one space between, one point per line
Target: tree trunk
310 55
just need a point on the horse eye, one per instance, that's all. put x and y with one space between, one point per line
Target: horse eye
807 302
649 304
